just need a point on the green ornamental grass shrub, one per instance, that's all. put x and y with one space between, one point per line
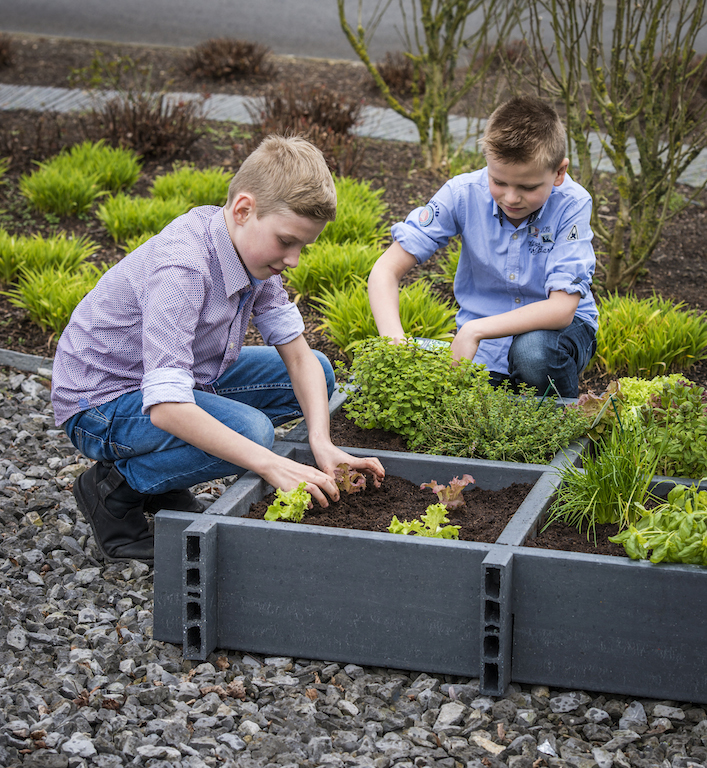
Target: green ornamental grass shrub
449 262
348 318
70 182
50 295
648 337
124 216
199 187
359 214
63 252
327 266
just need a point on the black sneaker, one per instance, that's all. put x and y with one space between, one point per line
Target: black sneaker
115 513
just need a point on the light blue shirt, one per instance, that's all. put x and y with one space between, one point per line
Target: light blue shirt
503 267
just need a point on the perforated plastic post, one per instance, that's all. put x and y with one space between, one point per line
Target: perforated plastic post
496 622
199 579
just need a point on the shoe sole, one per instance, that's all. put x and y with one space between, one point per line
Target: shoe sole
83 506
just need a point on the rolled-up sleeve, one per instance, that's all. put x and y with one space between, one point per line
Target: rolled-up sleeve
570 266
167 385
279 325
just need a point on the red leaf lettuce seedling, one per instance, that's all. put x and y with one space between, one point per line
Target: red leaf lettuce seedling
289 505
450 496
351 480
431 524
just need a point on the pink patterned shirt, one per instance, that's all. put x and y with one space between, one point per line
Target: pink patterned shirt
171 316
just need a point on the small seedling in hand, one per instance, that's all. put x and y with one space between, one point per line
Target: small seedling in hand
431 524
350 480
450 496
289 505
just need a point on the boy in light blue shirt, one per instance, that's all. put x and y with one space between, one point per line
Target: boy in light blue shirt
523 283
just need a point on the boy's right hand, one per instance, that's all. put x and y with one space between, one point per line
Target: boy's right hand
288 474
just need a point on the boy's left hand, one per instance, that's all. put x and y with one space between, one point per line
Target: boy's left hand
328 457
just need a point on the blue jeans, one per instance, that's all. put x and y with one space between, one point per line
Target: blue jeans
252 397
538 356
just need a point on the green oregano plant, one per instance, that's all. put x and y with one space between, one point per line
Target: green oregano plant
398 386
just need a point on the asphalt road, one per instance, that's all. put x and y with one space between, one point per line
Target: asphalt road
297 27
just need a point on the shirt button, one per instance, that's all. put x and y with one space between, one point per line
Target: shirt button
231 345
515 235
517 299
511 276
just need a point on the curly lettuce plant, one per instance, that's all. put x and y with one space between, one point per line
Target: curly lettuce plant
350 480
433 524
450 496
289 505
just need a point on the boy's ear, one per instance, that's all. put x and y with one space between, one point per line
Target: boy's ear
242 207
561 171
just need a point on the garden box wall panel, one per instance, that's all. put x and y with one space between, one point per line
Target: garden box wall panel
315 592
610 624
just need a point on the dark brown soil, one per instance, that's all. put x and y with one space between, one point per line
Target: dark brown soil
563 537
483 518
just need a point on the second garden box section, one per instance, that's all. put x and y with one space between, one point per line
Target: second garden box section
223 581
598 622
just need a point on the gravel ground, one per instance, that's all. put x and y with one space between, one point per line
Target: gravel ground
82 682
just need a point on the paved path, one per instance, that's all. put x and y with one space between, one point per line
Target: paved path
376 122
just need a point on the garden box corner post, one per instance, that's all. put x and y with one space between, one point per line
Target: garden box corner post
377 599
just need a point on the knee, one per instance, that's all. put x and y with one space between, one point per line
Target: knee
328 371
528 360
257 428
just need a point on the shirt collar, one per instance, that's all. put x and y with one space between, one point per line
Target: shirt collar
235 275
498 213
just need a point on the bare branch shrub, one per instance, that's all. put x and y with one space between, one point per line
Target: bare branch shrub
224 58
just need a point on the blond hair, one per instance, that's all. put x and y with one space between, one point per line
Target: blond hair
286 173
525 130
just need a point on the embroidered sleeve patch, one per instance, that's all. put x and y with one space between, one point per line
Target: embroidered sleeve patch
426 216
573 234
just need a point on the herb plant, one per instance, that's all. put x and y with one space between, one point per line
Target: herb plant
672 532
450 496
289 505
613 478
433 523
484 422
397 386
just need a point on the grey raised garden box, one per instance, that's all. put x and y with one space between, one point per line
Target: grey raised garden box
607 623
223 581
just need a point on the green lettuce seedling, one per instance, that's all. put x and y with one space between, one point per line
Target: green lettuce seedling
450 496
289 505
431 524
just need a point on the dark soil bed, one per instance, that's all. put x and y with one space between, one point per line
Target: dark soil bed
486 513
568 539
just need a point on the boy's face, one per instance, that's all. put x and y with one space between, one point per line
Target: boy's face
270 244
520 189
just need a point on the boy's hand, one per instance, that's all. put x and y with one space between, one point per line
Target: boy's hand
329 457
288 474
466 342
